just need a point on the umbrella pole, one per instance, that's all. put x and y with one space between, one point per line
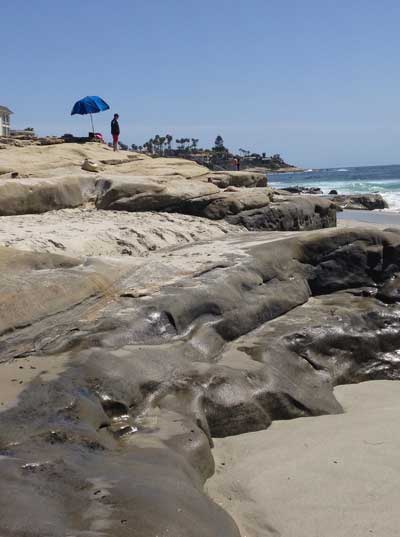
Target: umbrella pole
91 119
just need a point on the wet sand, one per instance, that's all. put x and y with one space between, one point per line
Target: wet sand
383 219
328 476
17 374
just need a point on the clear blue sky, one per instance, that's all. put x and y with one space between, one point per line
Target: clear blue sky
315 80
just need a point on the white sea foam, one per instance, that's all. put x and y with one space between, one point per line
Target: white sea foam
384 180
393 200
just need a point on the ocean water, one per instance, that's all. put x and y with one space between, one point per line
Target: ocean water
366 179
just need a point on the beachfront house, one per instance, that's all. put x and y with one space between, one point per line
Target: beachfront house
5 114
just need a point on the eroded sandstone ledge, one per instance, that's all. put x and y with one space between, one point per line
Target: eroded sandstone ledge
36 180
207 340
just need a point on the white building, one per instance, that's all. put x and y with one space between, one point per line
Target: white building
5 114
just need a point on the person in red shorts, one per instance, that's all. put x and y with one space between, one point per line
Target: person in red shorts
115 131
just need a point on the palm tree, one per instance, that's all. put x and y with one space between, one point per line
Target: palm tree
219 144
168 137
195 141
149 145
156 142
162 142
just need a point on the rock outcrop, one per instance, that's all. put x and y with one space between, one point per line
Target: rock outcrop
28 196
140 193
122 368
36 286
302 190
67 159
253 208
94 232
188 197
238 178
211 339
343 201
41 179
360 201
289 214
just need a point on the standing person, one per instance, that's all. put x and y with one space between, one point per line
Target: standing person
238 163
115 131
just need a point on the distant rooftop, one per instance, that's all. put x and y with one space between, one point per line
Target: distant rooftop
5 109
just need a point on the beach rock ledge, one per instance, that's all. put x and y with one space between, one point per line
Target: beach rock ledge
124 358
40 179
158 357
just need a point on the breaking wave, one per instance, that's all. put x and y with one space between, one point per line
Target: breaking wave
384 180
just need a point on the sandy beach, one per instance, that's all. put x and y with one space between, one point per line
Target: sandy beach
17 374
382 219
329 476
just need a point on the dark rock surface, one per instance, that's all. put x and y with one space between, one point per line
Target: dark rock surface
302 190
207 340
299 214
360 201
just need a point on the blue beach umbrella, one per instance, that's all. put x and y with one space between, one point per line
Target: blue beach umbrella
89 105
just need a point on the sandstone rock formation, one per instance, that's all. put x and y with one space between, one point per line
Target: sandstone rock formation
302 190
343 201
35 286
300 214
154 333
249 207
71 175
27 196
63 159
360 201
139 193
211 339
94 232
238 178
